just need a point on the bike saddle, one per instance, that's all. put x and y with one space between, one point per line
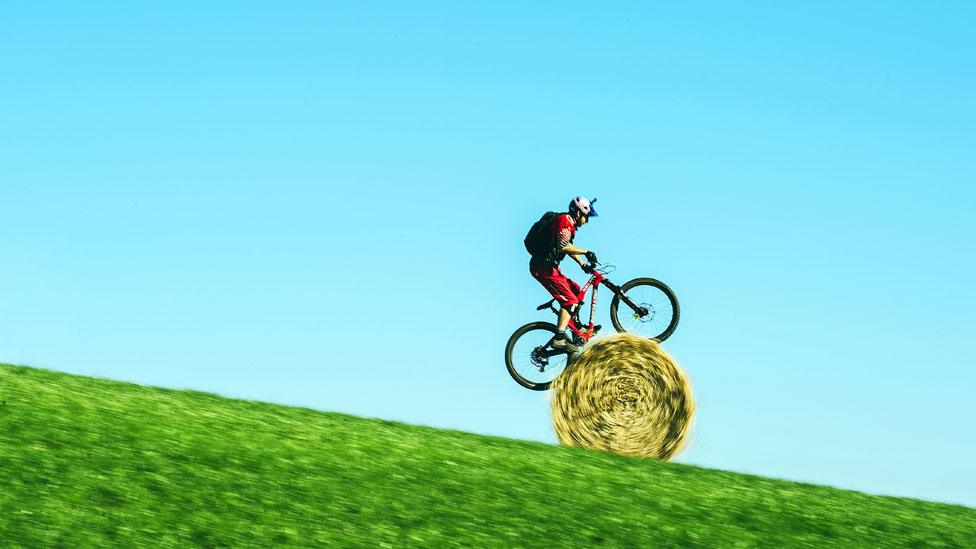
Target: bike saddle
545 305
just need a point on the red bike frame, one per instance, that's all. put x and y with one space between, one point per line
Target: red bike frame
595 280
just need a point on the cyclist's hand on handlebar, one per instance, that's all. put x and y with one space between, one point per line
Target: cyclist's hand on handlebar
591 257
588 269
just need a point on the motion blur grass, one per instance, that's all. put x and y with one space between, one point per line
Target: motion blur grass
89 462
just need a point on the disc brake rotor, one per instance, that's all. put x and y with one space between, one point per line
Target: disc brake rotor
648 311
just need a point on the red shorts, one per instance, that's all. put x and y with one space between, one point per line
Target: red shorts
557 284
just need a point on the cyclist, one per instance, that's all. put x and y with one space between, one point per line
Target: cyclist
545 267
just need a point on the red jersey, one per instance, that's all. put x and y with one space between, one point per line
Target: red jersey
563 232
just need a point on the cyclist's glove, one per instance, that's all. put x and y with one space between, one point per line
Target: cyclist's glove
591 257
587 269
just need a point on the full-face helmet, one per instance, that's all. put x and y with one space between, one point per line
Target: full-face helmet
582 205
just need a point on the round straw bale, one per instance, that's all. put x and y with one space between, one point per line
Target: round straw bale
623 394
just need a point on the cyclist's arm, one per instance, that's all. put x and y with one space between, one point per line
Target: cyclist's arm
575 253
564 239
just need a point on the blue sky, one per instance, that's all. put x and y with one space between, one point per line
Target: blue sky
322 204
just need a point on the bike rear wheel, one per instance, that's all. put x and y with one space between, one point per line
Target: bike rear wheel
529 359
652 311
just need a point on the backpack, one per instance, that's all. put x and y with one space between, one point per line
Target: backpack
539 240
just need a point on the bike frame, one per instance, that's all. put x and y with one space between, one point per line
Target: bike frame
594 282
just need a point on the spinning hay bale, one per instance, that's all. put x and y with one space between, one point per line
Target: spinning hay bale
623 394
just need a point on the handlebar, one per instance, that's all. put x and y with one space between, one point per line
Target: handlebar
601 268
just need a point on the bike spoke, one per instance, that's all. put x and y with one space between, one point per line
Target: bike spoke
659 311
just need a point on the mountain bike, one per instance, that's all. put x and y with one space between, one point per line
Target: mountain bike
643 306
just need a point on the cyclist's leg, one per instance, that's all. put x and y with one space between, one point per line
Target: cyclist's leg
561 288
564 316
574 288
560 341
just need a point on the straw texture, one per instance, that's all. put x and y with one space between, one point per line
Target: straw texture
623 394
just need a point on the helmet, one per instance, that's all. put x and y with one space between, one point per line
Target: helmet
580 204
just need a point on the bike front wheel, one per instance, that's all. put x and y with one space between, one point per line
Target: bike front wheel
646 307
529 359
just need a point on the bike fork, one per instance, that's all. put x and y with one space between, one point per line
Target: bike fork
623 297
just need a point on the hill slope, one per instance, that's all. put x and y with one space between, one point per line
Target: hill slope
93 462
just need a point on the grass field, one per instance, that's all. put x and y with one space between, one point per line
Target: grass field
86 462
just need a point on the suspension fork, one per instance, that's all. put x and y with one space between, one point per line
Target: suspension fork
623 297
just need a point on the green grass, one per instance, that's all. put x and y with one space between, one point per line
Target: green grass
89 462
